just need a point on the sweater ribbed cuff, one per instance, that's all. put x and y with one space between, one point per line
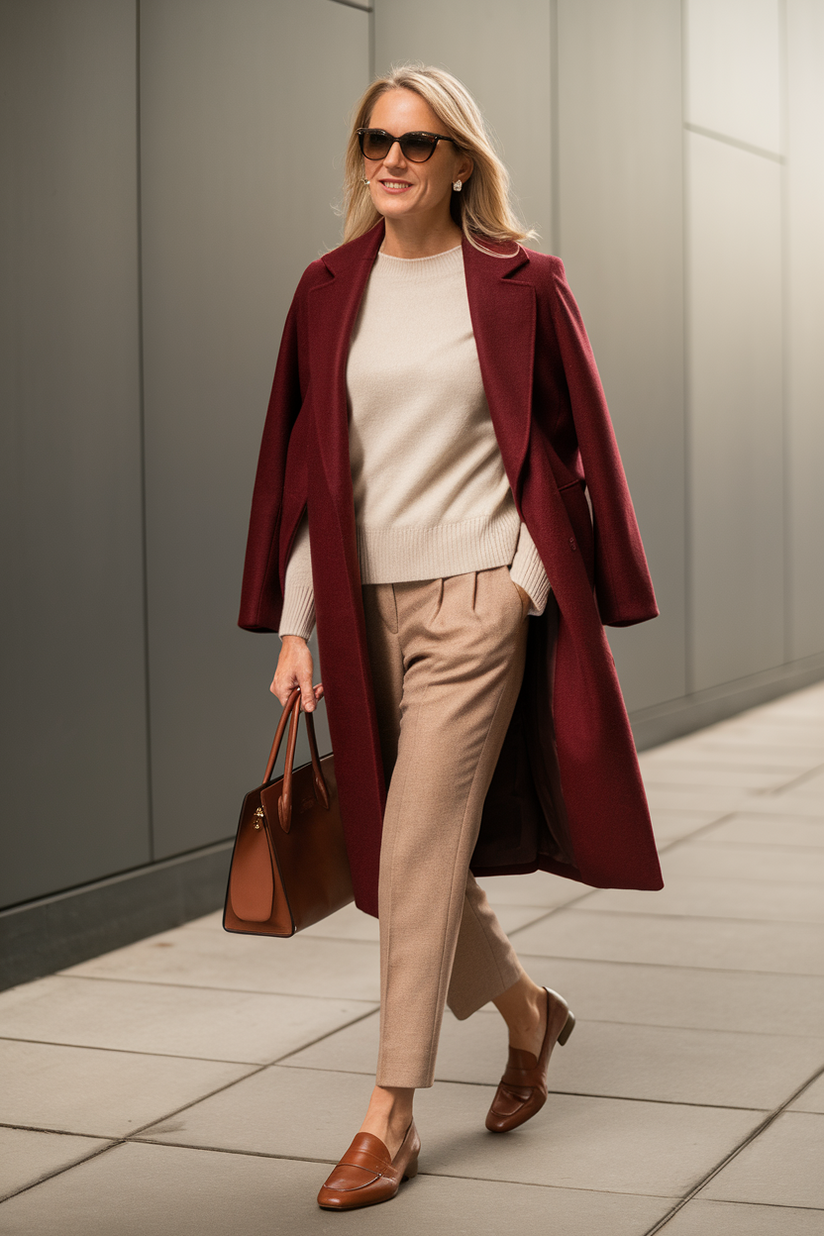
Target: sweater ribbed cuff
298 616
527 571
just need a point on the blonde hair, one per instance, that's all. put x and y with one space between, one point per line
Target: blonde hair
482 209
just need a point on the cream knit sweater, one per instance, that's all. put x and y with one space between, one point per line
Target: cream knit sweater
431 495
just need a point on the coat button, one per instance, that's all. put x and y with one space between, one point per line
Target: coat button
572 544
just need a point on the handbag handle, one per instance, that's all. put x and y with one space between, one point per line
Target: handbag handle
291 715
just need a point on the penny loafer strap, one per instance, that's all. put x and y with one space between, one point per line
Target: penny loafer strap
522 1069
365 1160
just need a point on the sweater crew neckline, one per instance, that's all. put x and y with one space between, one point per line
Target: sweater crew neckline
415 269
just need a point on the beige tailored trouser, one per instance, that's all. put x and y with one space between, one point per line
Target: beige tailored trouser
447 660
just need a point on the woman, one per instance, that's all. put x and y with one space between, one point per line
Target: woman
434 418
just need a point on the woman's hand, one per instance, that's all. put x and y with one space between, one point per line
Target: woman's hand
295 670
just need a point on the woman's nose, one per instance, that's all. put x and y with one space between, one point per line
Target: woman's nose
394 155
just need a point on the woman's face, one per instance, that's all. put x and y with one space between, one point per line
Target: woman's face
399 187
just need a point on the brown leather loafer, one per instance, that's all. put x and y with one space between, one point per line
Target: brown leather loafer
522 1089
366 1175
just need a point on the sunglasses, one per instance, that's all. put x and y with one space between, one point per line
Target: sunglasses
417 147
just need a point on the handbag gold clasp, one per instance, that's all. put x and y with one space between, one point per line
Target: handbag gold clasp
259 817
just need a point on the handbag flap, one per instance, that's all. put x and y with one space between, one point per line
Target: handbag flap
251 882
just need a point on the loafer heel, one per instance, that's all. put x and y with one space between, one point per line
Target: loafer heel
567 1030
411 1170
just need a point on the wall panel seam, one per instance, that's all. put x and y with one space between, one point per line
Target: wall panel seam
142 423
554 133
787 530
689 608
372 50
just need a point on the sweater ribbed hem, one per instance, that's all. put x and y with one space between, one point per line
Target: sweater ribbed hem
405 554
298 617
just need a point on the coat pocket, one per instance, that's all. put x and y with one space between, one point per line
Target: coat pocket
577 508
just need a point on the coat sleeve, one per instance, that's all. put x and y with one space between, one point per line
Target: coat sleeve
623 587
261 594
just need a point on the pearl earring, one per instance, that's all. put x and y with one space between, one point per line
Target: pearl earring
457 185
365 181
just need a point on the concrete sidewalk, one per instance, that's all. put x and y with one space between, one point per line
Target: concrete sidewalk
199 1084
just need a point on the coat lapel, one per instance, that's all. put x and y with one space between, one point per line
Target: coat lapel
333 308
503 312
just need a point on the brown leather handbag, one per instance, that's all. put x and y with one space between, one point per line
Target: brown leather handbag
289 865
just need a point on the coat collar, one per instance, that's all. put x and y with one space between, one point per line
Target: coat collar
501 262
503 312
346 258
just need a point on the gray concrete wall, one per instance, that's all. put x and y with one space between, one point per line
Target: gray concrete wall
169 168
620 232
240 168
804 316
167 176
753 116
76 795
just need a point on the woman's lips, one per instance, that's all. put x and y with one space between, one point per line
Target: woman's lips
395 186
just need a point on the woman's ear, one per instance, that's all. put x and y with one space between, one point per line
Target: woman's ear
464 169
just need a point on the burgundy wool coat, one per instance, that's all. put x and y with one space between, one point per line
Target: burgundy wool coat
567 795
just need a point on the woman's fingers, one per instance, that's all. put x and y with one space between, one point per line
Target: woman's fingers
307 691
282 688
294 669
